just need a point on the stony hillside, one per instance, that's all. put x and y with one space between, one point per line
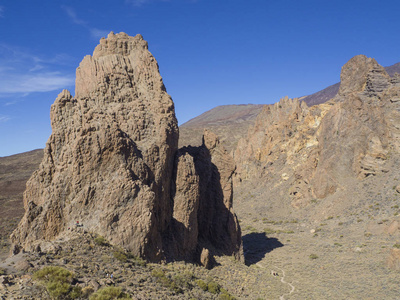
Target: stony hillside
229 122
328 174
322 96
15 170
317 151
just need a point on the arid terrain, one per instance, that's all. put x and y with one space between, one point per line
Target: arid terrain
314 183
15 170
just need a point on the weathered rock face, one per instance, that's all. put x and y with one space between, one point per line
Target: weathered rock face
204 174
109 162
316 150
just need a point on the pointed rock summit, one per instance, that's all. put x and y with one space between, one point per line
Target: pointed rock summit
110 164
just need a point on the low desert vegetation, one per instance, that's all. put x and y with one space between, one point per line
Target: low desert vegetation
120 255
109 293
101 241
57 282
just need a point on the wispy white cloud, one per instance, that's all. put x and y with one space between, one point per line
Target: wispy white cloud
22 73
73 16
1 11
94 32
35 82
4 119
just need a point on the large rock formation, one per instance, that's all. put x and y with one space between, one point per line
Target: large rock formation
320 150
109 162
211 222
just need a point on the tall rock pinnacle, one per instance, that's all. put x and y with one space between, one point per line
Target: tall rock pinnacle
109 162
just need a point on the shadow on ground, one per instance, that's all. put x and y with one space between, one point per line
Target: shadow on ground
256 245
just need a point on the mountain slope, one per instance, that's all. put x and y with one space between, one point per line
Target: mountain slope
229 122
15 170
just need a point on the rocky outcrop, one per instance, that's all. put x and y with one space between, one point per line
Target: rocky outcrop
109 163
318 149
205 173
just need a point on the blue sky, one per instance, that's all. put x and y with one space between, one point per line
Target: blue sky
210 52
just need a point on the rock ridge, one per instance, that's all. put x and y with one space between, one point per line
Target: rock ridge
110 161
318 149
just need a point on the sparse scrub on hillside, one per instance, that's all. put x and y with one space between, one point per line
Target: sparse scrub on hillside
269 231
278 231
201 284
313 256
213 287
176 283
120 255
101 241
57 282
109 293
224 295
250 228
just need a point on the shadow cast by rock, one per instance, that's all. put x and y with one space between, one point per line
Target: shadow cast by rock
202 215
256 245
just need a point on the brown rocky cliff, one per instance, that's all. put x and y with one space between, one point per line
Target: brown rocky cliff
317 149
109 161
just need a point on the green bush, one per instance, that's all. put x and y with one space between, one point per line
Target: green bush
157 273
202 284
76 292
101 241
224 295
313 256
109 293
57 281
213 287
175 284
120 255
181 281
138 261
175 287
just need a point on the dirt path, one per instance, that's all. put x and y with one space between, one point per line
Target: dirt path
292 288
